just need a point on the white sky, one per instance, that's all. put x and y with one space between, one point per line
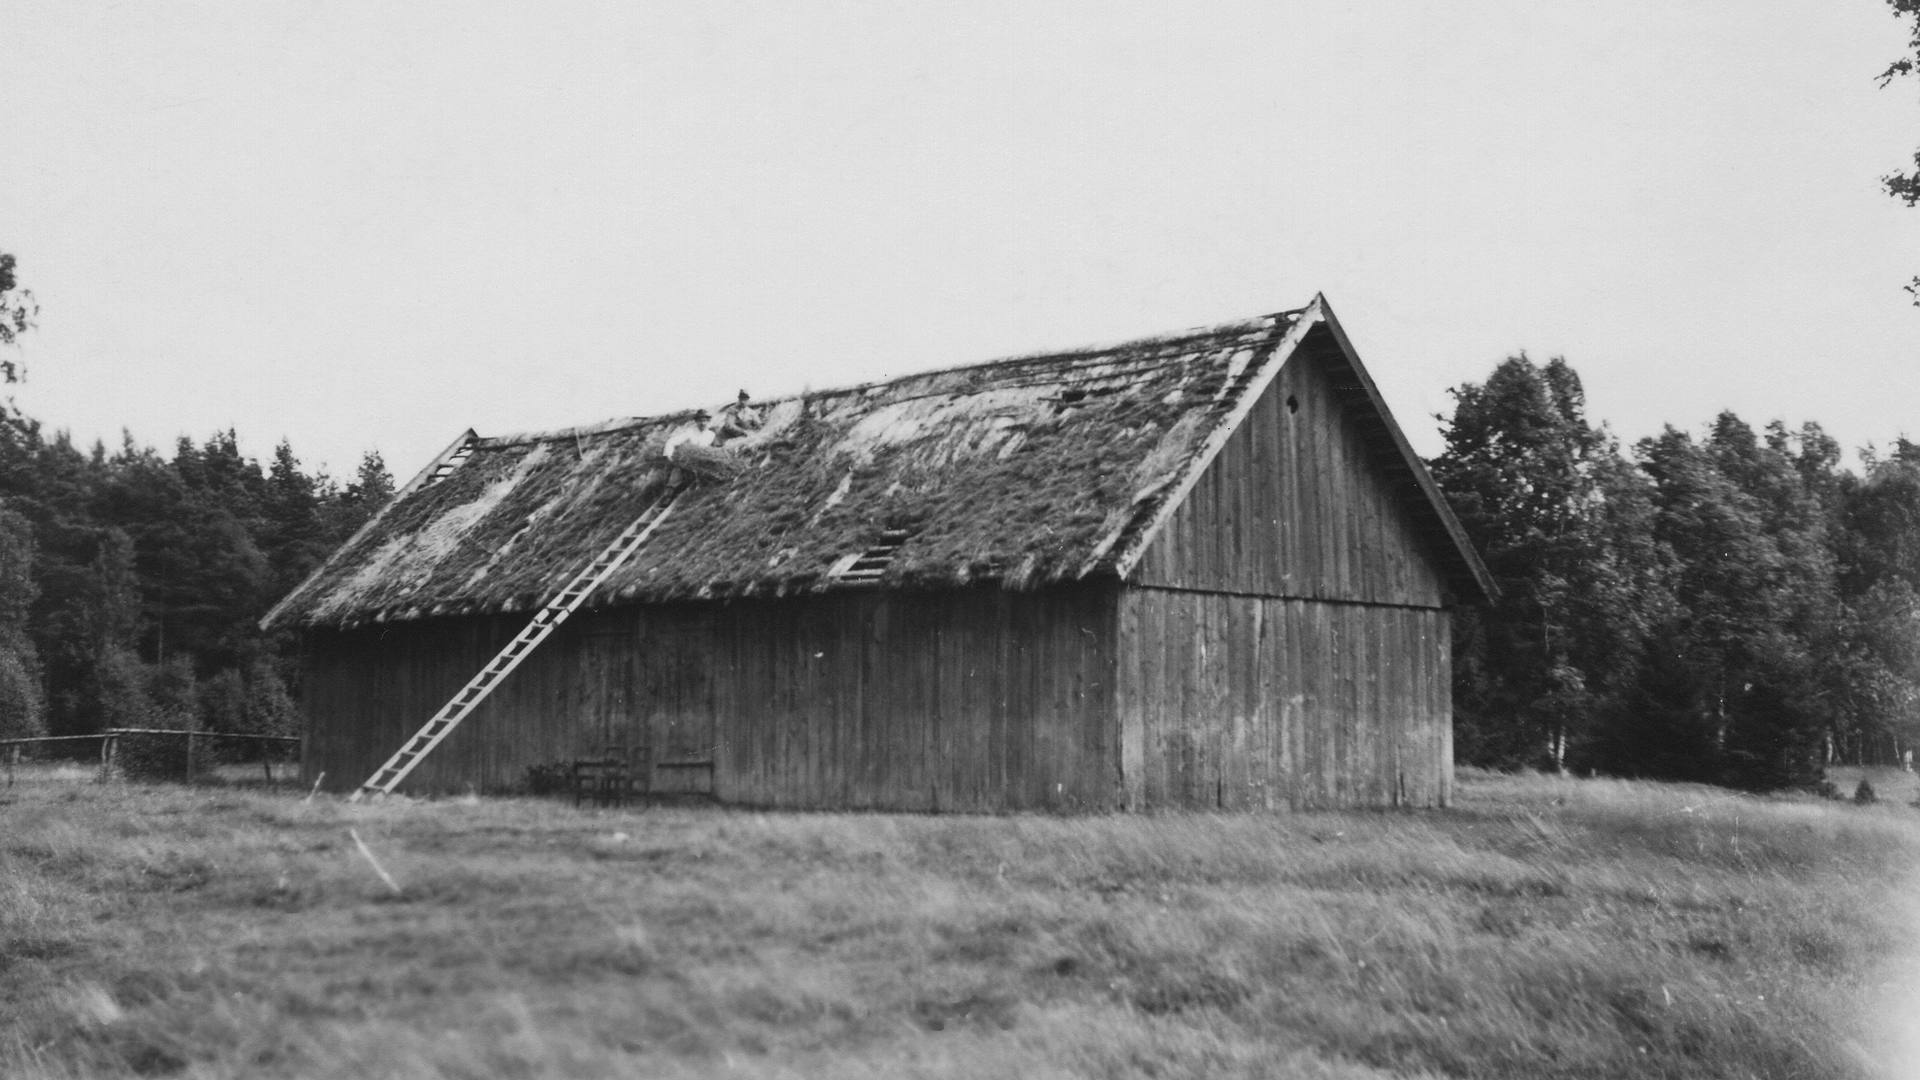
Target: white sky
365 225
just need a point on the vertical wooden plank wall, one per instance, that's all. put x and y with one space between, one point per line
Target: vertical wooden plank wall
1243 702
1300 503
975 699
1283 640
368 690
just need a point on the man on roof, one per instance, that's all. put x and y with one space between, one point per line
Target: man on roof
739 419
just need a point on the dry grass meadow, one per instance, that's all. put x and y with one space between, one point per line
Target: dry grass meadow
1544 928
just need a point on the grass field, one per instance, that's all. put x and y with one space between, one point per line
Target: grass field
1544 928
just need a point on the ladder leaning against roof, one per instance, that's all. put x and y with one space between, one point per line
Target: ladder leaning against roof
569 599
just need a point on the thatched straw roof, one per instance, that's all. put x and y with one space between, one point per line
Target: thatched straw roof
1018 472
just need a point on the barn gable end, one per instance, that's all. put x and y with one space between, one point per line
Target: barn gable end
1312 492
1283 636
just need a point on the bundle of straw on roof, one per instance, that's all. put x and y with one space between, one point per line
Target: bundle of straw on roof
710 462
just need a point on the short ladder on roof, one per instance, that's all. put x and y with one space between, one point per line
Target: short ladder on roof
569 599
451 462
866 567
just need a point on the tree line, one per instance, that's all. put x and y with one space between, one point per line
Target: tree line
1731 606
131 581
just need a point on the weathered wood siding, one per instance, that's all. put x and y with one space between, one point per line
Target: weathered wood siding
1284 641
1301 502
366 691
975 699
1261 702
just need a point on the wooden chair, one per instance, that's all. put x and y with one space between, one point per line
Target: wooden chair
607 780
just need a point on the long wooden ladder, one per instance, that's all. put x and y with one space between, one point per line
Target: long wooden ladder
569 599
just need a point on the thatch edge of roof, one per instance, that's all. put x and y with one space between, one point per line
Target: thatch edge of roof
272 617
1172 497
524 605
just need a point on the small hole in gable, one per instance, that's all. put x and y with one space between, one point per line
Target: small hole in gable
1293 404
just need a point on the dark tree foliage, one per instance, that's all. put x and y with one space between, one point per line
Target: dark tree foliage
149 575
293 535
1732 608
1562 522
1877 535
1753 582
17 311
371 489
191 520
1905 186
1880 521
22 712
1657 728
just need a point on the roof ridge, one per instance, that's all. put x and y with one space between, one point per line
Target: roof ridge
605 427
1257 323
1268 323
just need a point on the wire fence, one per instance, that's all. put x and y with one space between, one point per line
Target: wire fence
160 753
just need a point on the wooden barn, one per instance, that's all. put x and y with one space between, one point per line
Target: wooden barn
1197 570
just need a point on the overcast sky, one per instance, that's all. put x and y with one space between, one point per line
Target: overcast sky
369 226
